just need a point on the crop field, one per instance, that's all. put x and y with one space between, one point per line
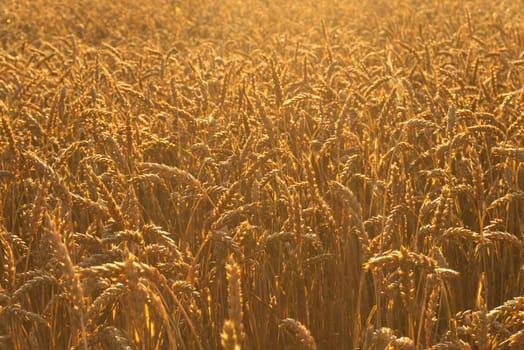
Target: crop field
260 174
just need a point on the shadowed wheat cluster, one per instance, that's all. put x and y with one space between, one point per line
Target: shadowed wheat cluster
249 174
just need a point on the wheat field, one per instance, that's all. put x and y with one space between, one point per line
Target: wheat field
250 174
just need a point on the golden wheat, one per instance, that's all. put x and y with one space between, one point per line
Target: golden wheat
255 174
